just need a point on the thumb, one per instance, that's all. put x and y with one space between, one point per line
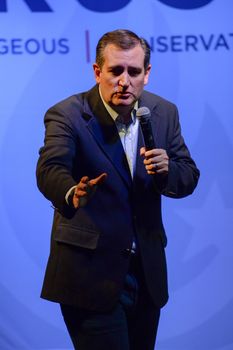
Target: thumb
142 151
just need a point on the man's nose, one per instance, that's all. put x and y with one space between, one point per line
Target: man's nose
124 79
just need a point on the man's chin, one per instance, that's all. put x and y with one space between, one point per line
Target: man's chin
122 108
123 102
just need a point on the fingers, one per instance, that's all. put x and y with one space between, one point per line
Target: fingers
85 189
156 161
82 185
98 180
84 179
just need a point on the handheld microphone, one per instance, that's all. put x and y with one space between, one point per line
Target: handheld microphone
143 114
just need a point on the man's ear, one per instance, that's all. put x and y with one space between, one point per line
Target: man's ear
147 73
97 72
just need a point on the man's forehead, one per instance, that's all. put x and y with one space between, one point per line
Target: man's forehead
115 55
113 47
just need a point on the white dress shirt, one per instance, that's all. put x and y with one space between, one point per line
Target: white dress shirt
128 133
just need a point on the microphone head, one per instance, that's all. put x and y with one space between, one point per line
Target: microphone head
143 112
144 116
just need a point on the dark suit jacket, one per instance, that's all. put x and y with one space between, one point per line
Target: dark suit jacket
87 263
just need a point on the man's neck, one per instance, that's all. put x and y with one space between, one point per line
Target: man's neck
122 110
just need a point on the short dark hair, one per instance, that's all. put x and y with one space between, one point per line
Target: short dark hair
125 40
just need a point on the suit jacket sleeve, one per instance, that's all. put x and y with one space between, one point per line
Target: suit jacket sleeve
183 174
55 164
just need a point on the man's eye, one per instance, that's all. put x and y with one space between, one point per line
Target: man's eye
117 71
133 72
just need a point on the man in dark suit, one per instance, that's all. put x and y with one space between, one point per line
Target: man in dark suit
107 266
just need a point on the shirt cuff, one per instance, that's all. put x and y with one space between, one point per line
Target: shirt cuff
68 193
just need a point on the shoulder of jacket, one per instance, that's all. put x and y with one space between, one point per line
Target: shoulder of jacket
69 103
149 98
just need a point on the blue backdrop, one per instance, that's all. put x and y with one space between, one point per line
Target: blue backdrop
47 48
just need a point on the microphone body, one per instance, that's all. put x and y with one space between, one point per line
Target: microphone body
143 114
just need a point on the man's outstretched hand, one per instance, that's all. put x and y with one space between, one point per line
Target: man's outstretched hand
85 189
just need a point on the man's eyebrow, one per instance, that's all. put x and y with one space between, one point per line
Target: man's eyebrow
115 66
118 66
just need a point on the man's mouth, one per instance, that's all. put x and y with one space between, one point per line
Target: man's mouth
123 95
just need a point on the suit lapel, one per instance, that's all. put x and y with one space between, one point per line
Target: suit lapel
105 132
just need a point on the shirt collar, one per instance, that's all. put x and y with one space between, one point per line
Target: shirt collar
114 114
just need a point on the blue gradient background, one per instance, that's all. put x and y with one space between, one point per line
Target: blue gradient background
199 315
